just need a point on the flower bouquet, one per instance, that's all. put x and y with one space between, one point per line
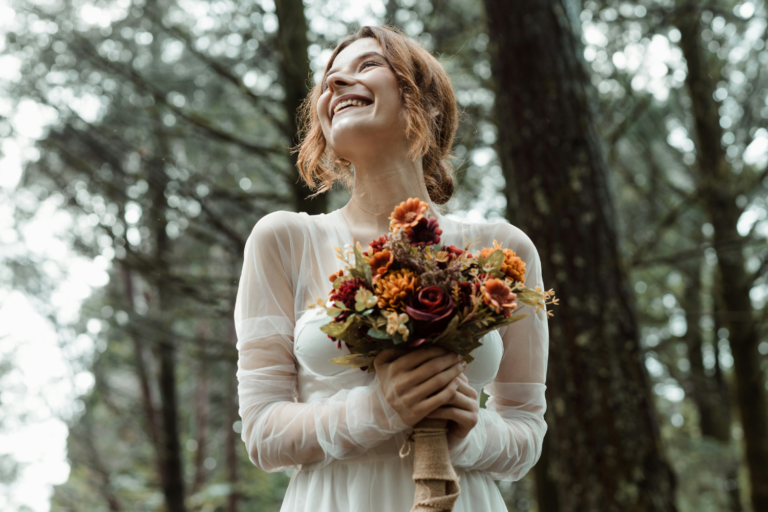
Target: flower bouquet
413 291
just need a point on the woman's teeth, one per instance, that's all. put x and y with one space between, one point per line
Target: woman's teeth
355 103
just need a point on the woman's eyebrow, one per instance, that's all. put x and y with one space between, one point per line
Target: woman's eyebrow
357 59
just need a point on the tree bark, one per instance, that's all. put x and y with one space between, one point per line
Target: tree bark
718 187
147 404
546 485
233 442
202 409
605 439
712 404
292 46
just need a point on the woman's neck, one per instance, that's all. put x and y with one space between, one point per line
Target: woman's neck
380 187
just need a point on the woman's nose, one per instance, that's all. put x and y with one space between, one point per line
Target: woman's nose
339 80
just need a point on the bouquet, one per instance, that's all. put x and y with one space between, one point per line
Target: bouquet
413 291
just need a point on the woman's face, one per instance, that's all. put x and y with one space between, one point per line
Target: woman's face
376 118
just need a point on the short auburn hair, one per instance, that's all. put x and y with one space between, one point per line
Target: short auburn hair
425 88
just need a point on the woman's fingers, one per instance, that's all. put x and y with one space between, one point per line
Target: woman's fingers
416 358
389 355
433 384
437 400
460 400
429 369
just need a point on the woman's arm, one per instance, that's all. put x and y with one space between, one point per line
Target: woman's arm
507 439
278 431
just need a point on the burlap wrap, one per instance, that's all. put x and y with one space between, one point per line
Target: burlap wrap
437 484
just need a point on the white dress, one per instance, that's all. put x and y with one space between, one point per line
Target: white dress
331 423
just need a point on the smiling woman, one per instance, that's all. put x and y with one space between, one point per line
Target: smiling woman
404 92
382 118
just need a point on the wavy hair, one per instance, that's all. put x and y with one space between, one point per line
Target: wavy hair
430 111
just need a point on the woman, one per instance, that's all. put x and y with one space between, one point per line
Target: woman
386 107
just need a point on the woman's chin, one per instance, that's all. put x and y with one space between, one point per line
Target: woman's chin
350 136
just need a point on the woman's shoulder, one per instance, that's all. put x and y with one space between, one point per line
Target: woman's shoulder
278 222
277 229
508 235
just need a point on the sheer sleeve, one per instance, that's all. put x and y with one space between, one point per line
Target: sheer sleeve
507 440
279 432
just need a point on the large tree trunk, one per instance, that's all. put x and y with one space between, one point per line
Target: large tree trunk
292 45
605 439
546 485
716 186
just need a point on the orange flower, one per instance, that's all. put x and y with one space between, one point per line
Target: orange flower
407 214
336 275
498 295
395 287
380 263
512 266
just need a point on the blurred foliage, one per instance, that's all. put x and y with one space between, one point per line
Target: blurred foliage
170 142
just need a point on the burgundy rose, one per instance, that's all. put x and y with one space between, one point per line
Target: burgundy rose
431 310
425 232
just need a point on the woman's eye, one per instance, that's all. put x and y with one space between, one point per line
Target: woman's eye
365 64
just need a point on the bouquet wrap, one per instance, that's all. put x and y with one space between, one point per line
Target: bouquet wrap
412 291
437 485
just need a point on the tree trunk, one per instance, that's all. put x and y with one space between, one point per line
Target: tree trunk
709 393
233 442
292 45
546 486
605 439
160 310
147 404
202 409
713 406
716 186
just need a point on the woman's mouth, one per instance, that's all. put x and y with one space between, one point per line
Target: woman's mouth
349 105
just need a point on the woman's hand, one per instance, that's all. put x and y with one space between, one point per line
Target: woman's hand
462 409
415 382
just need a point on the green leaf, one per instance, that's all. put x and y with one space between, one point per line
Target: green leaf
334 312
339 330
341 305
368 274
375 333
529 297
495 259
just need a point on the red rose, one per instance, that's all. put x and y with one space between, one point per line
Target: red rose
431 310
453 250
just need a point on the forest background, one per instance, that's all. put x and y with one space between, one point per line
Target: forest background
143 139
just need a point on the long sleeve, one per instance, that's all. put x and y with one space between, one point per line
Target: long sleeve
507 440
279 432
